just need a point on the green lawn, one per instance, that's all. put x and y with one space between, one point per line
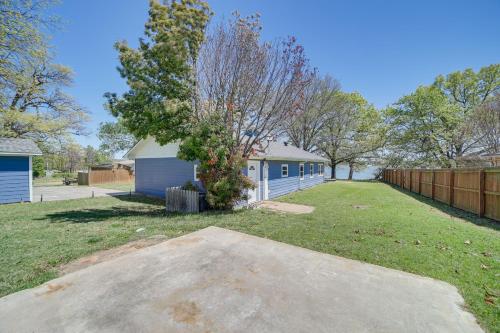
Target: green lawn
361 220
48 181
117 186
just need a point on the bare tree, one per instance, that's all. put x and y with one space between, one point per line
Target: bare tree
487 125
305 127
253 86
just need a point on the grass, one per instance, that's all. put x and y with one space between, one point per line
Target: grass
117 186
48 181
367 221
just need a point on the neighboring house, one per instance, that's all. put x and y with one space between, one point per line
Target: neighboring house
275 168
116 164
479 161
16 176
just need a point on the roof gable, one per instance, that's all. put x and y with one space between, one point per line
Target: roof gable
281 151
14 146
149 148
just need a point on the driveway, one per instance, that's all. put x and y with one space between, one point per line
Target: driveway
216 280
54 193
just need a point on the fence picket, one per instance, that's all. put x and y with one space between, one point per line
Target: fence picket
472 190
179 200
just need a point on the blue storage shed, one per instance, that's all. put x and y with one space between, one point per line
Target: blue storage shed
275 168
16 177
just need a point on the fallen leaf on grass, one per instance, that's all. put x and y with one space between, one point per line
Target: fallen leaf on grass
489 300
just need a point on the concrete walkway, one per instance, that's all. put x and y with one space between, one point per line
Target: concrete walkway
216 280
54 193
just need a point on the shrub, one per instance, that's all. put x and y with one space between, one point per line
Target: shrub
220 163
189 186
38 166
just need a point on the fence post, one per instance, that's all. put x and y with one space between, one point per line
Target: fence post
481 193
452 186
411 181
419 181
432 183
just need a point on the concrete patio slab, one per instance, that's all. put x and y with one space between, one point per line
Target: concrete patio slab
286 207
55 193
216 280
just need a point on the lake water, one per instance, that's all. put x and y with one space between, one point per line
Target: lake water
342 172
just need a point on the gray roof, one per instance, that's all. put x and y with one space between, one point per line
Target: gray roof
18 147
281 151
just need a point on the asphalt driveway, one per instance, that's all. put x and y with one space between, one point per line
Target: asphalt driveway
54 193
216 280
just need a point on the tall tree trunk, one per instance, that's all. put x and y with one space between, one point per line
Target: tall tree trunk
333 163
351 170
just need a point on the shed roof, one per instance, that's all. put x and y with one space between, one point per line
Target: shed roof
282 151
14 146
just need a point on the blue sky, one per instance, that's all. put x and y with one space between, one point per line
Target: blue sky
382 49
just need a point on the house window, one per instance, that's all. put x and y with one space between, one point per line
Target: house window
196 173
320 169
311 169
284 170
301 170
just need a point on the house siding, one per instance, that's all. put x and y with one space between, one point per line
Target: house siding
154 175
279 185
14 179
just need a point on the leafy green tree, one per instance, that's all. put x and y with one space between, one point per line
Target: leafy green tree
92 156
220 169
352 129
32 103
115 137
160 72
437 124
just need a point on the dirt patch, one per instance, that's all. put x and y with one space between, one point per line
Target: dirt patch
184 241
106 255
186 312
53 288
286 207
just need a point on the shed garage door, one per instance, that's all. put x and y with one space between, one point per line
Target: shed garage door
14 179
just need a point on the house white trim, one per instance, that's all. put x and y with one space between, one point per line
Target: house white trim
265 177
31 177
195 173
149 148
286 168
253 172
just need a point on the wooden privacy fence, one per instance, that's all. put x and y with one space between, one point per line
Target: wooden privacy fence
105 176
472 190
179 200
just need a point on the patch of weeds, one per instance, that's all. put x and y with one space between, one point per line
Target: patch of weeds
94 239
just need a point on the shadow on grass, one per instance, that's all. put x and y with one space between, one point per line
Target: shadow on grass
455 212
328 180
150 208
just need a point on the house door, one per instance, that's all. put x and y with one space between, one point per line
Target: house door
254 175
266 178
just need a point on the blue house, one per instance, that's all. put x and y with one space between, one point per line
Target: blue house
275 168
16 177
